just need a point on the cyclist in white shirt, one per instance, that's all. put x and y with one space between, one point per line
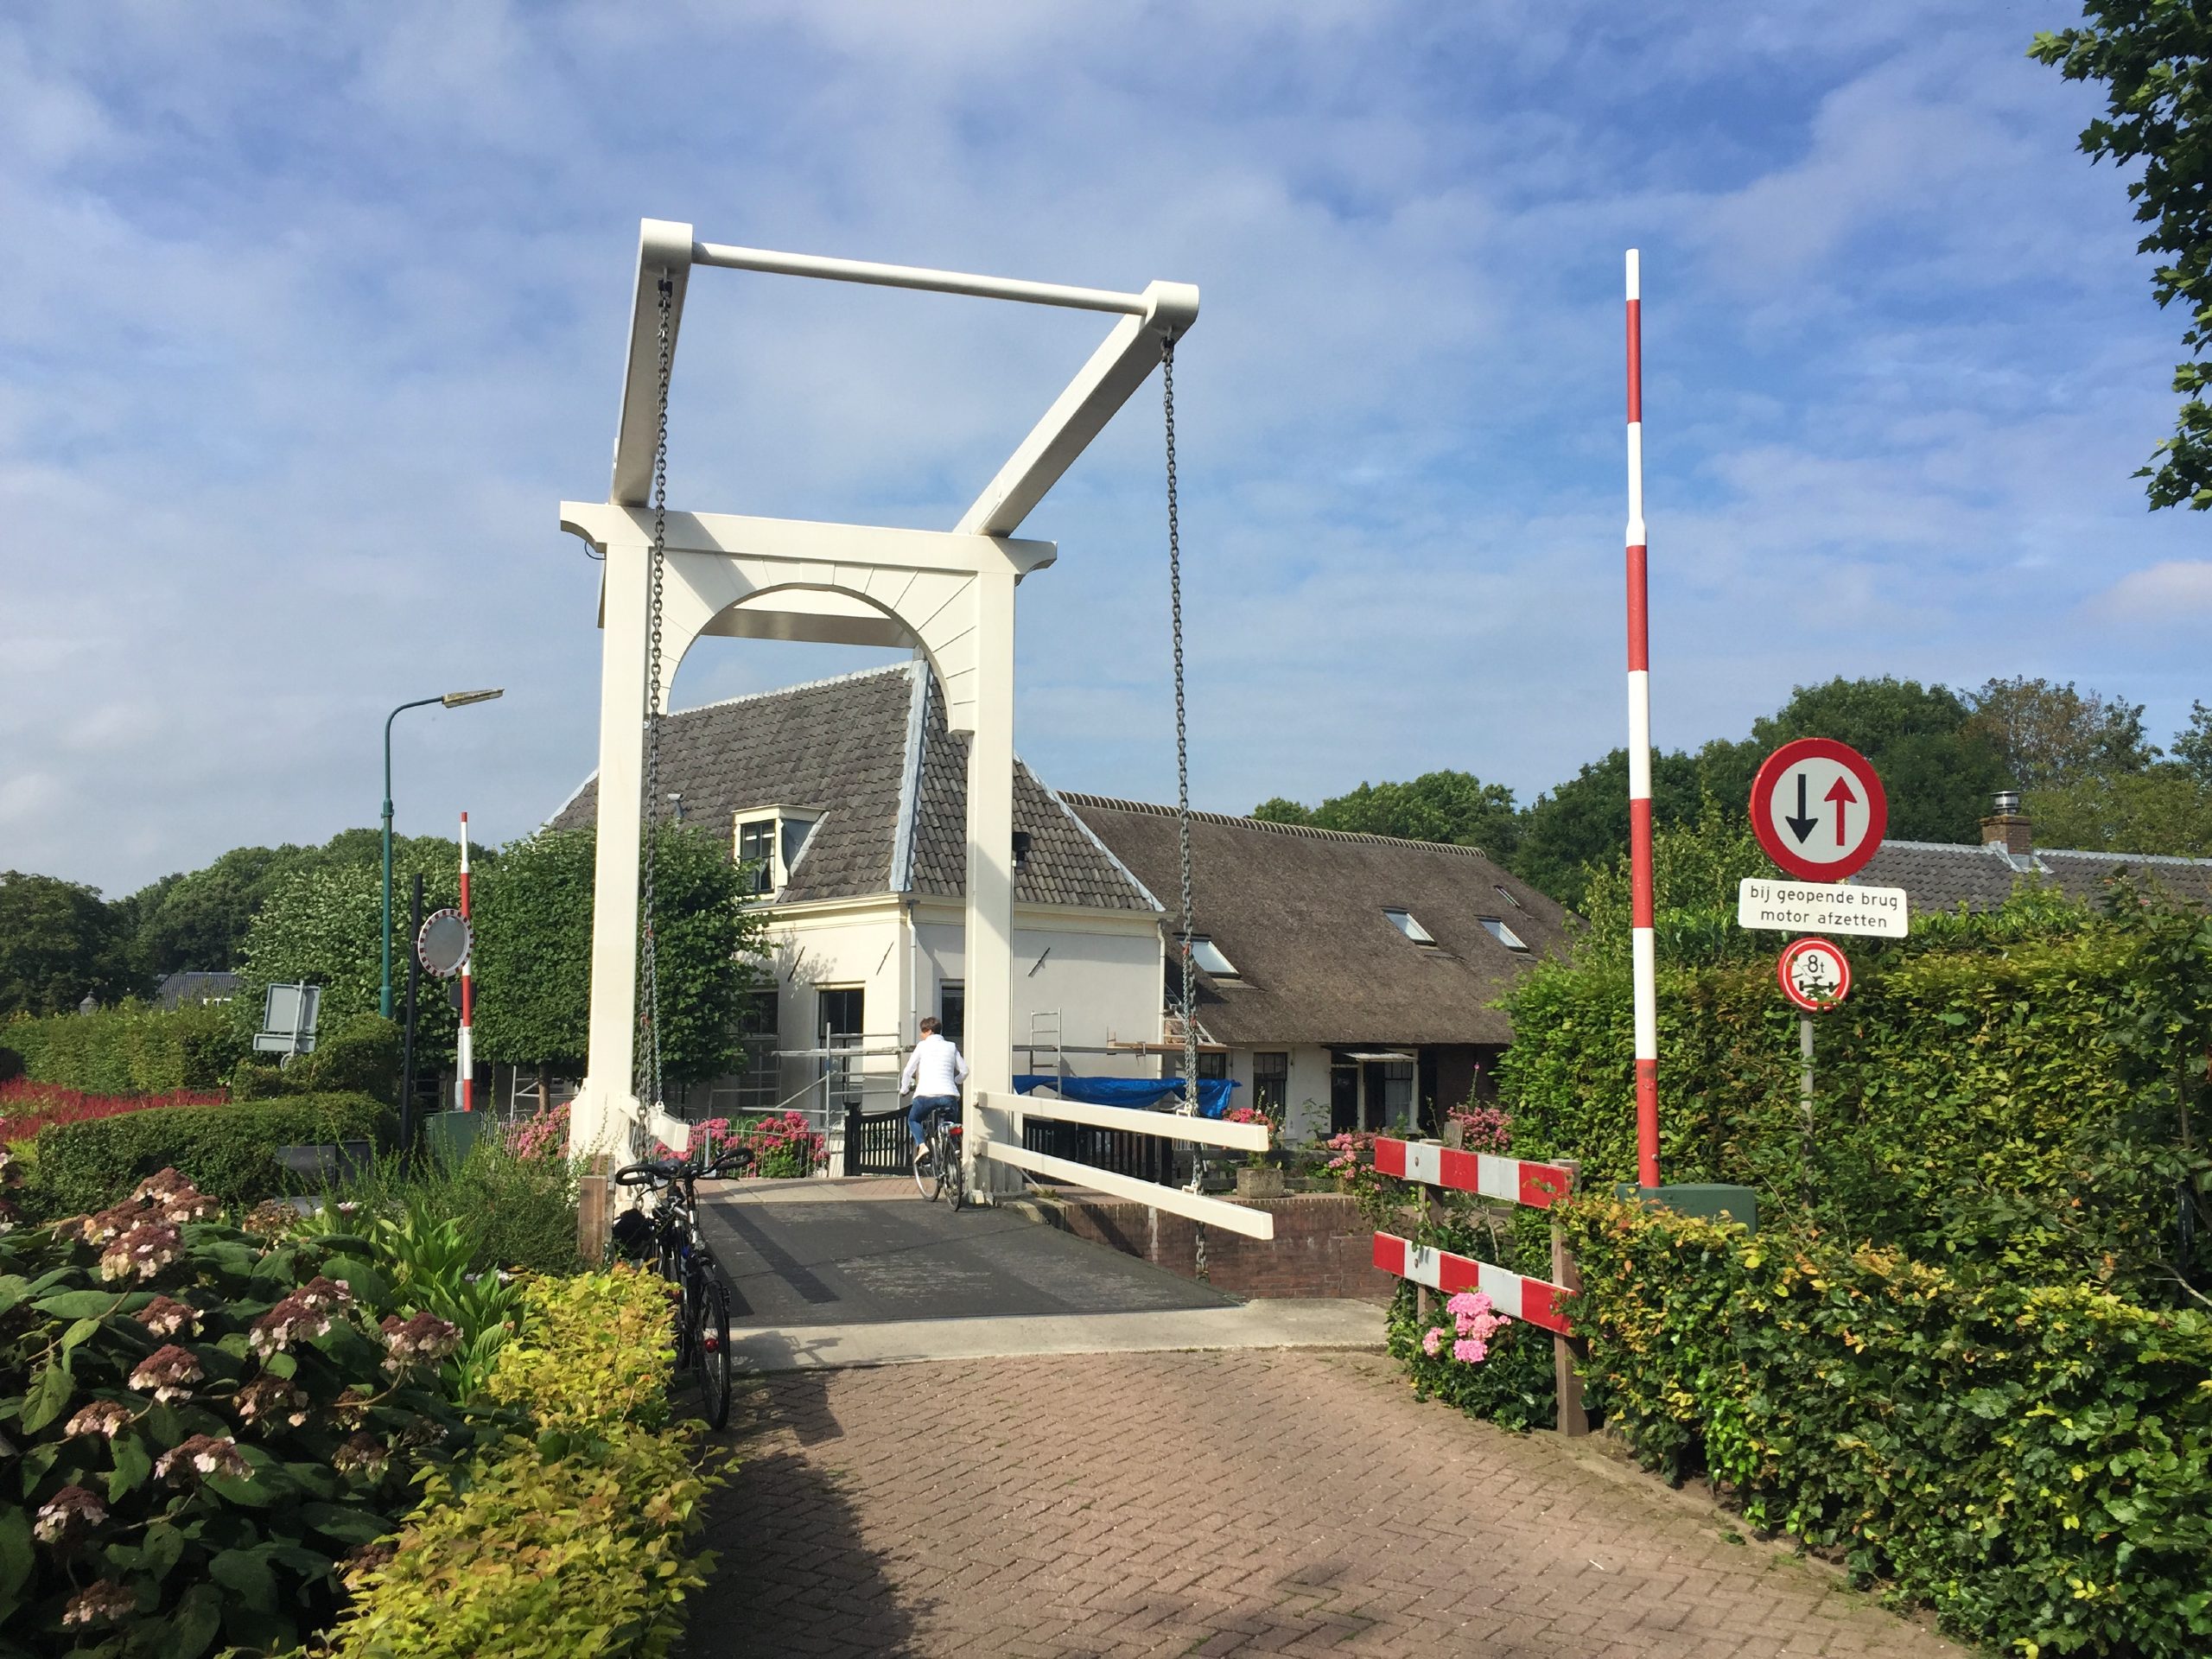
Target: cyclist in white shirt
935 1072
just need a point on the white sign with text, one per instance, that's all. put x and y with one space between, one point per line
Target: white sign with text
1820 907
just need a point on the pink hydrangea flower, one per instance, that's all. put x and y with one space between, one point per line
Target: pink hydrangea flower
142 1252
68 1515
1431 1341
103 1417
426 1338
1470 1350
104 1600
168 1372
203 1455
165 1318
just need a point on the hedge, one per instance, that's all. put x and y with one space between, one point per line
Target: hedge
571 1544
2031 1460
228 1152
132 1049
2012 1091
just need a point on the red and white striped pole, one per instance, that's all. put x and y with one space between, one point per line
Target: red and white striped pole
1643 961
465 1056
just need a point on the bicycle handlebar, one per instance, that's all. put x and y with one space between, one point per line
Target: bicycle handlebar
659 1172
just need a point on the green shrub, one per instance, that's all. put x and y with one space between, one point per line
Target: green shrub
2009 1091
203 1424
130 1049
361 1056
228 1151
520 1212
570 1543
1514 1386
2035 1462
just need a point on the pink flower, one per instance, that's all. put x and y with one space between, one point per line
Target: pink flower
107 1599
1431 1341
142 1252
69 1514
103 1417
272 1397
165 1318
203 1455
363 1454
424 1338
174 1199
1470 1350
168 1372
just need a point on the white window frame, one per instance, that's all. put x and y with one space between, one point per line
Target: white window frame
1409 925
1202 942
1499 929
778 816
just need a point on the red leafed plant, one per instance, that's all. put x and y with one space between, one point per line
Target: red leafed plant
27 1107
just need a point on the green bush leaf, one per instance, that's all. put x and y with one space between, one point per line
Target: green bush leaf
247 1573
15 1549
347 1526
132 1466
85 1304
48 1394
164 1548
192 1628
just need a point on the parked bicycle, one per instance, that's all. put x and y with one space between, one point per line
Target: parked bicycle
669 1233
938 1171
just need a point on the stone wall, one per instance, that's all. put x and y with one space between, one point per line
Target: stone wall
1321 1247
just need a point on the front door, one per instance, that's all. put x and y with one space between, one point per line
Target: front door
837 1025
1344 1095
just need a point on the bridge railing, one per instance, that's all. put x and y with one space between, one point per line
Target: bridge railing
1002 1139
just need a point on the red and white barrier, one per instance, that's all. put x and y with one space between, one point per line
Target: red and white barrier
464 1049
1509 1180
1535 1301
1643 962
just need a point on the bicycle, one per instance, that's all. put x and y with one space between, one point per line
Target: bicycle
938 1171
684 1259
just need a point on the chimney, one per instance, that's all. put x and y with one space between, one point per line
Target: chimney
2008 825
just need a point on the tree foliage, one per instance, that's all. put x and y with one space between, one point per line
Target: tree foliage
1455 807
2051 735
2155 59
58 944
1582 825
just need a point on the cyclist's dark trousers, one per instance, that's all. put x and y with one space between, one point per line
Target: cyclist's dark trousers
917 1115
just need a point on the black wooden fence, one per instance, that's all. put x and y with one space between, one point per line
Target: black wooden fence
876 1143
1146 1157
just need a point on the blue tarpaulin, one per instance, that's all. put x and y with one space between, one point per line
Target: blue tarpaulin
1213 1092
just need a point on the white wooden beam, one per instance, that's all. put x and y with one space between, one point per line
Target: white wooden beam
662 245
1173 1126
1214 1212
807 540
1116 369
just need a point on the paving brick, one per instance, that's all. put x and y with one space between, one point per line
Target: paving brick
1219 1504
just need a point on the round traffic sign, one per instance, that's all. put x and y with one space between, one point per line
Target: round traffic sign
444 942
1814 974
1818 808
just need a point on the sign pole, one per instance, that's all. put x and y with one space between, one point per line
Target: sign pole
1805 1073
465 1056
1644 960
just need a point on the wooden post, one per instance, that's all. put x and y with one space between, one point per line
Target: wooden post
595 1210
1574 1418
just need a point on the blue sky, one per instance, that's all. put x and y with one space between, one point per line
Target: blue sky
310 317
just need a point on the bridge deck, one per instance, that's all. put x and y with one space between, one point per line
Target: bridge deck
823 1253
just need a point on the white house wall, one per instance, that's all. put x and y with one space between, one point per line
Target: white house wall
1102 975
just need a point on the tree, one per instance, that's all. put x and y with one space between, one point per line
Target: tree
2051 735
2152 57
1696 866
2165 809
2193 744
60 942
1453 807
1582 825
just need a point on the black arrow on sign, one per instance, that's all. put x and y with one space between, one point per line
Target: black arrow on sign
1802 825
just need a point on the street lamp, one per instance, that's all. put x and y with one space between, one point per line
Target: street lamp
451 700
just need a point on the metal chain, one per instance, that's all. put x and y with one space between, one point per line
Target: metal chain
1190 993
649 1083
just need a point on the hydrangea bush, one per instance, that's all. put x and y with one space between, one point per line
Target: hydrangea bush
207 1421
1476 1359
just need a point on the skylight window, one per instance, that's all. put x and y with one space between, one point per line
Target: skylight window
1209 957
1506 894
1403 920
1505 935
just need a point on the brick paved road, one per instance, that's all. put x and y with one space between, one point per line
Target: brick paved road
1253 1502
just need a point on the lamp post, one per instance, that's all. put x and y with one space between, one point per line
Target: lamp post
451 700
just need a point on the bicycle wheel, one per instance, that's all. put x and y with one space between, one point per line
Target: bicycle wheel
684 1274
710 1348
925 1169
953 1183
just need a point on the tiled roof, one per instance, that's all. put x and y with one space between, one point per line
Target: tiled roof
1300 914
866 750
1942 876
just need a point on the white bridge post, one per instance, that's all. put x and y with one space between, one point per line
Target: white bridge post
988 946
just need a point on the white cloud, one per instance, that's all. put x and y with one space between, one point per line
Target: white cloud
2175 593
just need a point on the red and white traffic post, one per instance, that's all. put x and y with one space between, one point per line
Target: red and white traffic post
1643 956
464 1053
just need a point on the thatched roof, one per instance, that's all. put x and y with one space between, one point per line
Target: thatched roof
1300 914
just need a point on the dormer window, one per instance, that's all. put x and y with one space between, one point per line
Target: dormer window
1407 924
1494 926
769 842
1209 957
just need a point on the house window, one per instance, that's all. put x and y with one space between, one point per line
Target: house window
759 1085
1212 1067
1506 894
1505 936
1397 1101
769 842
756 851
1209 957
837 1023
1404 921
952 1013
1271 1082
